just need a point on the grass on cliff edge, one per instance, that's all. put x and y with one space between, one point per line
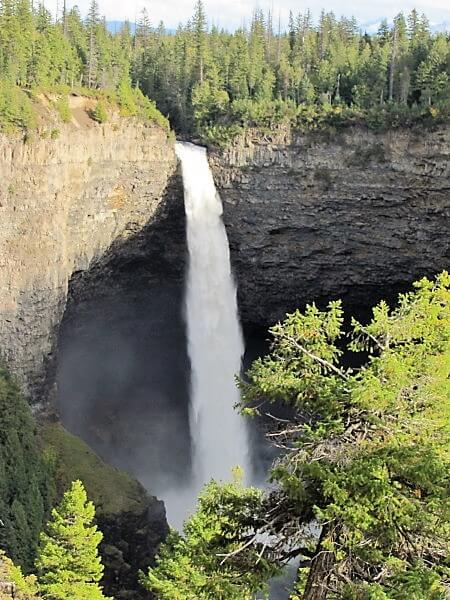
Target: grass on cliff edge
111 490
20 108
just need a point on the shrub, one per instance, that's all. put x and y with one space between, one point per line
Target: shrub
220 135
16 109
63 109
146 109
25 587
100 113
125 99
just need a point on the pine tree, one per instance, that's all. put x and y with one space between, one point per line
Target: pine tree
68 562
92 62
199 26
143 30
432 75
25 479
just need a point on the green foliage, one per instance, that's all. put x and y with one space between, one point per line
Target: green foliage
314 77
370 456
361 484
38 54
68 562
111 490
16 110
211 82
25 587
146 109
100 113
125 99
26 477
133 103
220 135
62 106
193 567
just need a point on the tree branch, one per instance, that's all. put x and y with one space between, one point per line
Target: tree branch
321 361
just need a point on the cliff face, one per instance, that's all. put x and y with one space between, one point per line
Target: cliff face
63 202
355 216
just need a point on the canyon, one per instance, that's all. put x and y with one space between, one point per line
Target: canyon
63 202
355 215
92 264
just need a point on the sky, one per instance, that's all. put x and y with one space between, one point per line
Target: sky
231 14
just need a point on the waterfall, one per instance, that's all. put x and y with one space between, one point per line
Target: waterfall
215 342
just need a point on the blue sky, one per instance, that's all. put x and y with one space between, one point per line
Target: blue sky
231 14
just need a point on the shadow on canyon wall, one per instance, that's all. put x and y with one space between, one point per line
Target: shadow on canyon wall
123 368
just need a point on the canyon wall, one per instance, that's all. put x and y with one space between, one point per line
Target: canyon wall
354 215
63 201
92 236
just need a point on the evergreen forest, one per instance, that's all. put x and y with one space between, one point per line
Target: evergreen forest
212 84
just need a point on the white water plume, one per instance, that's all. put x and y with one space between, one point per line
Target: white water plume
215 342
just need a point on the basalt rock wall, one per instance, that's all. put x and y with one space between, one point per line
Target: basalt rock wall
63 201
354 215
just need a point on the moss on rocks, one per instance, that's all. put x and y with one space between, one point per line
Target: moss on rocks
111 490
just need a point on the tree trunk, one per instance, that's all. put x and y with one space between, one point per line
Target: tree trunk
319 572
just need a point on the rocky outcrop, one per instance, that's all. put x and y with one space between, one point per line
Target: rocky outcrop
63 201
355 215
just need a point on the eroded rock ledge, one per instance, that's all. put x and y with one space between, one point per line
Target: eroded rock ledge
355 215
63 202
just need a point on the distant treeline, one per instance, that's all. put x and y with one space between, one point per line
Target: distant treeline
212 83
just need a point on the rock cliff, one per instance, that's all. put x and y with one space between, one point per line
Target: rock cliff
66 200
63 201
355 215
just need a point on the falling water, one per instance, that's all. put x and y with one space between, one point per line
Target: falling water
215 342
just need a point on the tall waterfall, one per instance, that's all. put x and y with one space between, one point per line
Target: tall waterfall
215 342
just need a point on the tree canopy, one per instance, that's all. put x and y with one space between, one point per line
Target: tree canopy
362 481
26 476
213 83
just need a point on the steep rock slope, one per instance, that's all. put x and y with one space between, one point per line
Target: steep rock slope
355 215
63 202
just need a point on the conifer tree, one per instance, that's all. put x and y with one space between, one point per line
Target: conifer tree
25 478
362 476
312 75
199 26
92 59
68 562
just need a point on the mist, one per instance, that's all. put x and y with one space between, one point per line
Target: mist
123 382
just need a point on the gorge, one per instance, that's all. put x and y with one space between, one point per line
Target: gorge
93 232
